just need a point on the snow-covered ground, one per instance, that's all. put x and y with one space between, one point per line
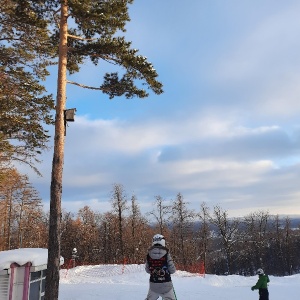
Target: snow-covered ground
115 282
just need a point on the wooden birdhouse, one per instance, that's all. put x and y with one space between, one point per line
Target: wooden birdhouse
70 114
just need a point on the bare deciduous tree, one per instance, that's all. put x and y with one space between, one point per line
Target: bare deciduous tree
119 205
204 235
161 214
182 221
228 232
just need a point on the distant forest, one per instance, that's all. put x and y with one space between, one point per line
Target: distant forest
204 240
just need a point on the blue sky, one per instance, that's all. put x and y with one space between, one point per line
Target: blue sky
226 131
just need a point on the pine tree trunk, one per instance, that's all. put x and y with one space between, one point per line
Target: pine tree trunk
52 279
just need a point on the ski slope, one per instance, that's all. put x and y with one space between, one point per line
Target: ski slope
130 282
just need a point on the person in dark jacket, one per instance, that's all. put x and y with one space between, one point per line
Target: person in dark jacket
160 266
262 285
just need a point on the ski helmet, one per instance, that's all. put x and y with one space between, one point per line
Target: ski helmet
260 272
159 239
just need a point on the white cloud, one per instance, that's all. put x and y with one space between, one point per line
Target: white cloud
96 205
224 131
265 48
263 67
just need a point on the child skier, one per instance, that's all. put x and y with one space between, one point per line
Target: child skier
160 266
262 285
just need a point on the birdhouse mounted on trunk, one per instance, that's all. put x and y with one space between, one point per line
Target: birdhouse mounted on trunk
70 114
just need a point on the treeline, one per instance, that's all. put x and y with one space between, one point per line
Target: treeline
206 238
23 222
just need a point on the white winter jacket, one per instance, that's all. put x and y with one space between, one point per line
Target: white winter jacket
157 252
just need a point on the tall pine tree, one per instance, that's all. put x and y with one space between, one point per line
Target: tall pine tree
35 33
25 109
93 36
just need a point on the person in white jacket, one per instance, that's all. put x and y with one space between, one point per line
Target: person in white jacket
160 266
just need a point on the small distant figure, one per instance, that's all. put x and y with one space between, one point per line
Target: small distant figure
160 266
74 257
262 285
74 252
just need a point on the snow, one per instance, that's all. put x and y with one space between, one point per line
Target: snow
115 282
37 256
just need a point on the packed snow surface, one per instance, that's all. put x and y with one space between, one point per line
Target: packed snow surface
130 282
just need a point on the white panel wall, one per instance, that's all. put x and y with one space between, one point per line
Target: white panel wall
18 283
4 286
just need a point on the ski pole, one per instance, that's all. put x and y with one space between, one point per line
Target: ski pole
174 292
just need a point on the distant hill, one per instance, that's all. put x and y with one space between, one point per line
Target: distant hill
295 222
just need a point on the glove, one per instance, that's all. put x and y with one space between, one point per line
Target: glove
252 289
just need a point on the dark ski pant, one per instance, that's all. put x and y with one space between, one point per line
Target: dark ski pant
263 294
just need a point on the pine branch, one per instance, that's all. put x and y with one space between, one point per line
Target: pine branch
85 86
80 38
